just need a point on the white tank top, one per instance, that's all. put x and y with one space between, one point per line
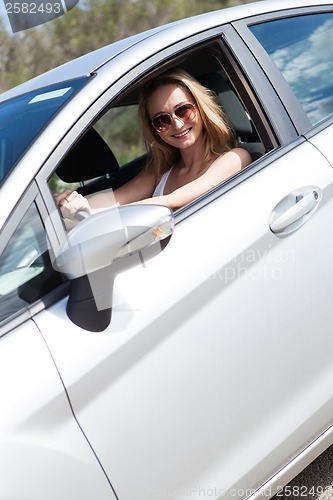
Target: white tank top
159 190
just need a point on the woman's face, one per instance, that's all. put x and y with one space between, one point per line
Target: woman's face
182 133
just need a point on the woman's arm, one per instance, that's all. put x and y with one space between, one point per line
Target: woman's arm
138 188
222 168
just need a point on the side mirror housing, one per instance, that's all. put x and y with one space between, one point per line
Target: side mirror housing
91 248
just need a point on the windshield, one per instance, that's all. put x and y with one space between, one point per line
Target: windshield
23 118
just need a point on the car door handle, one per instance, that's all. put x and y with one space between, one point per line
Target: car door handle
291 212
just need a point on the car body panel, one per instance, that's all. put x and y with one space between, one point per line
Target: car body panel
322 141
40 440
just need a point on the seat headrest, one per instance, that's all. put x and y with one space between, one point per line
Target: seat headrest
230 104
90 157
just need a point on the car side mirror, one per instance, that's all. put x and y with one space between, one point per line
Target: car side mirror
92 248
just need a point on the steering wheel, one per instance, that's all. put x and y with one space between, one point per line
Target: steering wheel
81 215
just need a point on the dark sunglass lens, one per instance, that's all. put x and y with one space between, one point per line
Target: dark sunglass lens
162 122
185 112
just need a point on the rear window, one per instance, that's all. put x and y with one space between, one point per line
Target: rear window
302 49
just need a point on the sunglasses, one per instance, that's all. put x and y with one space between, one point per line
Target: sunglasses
185 112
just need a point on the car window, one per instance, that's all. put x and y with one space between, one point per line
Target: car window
26 273
113 151
302 49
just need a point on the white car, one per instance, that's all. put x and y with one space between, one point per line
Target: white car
148 354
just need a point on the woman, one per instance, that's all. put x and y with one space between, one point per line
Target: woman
191 148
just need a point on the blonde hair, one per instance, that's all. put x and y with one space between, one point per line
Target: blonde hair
219 136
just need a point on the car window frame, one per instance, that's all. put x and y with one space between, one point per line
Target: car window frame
281 87
244 68
256 90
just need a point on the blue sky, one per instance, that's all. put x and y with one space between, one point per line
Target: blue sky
3 14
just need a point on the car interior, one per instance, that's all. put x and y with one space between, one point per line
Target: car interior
92 164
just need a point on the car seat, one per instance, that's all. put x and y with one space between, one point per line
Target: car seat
231 104
91 157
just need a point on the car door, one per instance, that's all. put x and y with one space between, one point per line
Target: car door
215 371
216 368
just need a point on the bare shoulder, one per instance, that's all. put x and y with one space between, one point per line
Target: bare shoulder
236 156
239 155
230 163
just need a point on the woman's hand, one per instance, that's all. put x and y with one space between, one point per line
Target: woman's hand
70 202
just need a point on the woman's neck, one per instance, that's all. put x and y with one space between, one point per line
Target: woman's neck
193 161
191 158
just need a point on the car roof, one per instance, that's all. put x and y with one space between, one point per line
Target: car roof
90 63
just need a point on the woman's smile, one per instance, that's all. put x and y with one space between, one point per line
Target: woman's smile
184 133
